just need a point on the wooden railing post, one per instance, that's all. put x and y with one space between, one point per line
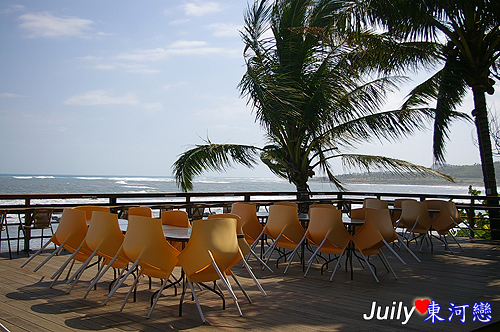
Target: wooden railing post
471 213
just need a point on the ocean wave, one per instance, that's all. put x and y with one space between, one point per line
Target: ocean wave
29 177
139 187
142 179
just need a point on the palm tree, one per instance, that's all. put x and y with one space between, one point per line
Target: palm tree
306 82
469 34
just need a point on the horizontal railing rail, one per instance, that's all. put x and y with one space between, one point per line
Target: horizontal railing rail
24 203
59 201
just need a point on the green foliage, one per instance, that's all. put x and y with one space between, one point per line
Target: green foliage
481 220
316 87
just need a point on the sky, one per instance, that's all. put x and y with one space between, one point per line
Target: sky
92 87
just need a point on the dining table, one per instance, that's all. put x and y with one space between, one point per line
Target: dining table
171 233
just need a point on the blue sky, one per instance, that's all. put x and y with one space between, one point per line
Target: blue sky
123 87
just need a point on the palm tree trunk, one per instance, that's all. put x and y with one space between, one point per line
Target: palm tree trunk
303 196
483 134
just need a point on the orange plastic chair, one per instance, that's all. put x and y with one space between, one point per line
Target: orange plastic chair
284 228
144 211
396 213
80 254
383 223
69 235
245 250
434 204
91 208
175 218
416 219
375 203
368 240
104 237
326 231
444 222
212 249
287 204
145 246
251 227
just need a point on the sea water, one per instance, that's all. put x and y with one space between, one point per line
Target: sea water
27 184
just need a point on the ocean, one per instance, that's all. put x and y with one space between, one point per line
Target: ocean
25 184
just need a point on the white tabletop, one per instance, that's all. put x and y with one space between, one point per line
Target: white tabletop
172 233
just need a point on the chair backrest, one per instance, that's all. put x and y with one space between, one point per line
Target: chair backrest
279 216
104 234
144 211
369 236
141 231
242 243
323 219
445 218
251 226
229 215
288 204
381 219
454 213
144 240
211 240
415 212
396 214
359 213
375 203
175 218
433 204
324 205
72 229
91 208
40 218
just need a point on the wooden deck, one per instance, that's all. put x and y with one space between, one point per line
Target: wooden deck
293 303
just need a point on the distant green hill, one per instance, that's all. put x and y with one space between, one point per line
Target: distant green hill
463 175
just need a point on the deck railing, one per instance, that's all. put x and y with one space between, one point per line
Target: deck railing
20 204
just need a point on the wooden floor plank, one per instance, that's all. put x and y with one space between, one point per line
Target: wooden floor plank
293 303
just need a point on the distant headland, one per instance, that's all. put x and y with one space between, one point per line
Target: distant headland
462 174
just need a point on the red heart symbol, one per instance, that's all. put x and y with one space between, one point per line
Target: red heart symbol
422 305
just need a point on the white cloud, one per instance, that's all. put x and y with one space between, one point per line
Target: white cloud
131 68
225 30
44 24
178 22
10 95
180 47
12 8
101 97
90 58
184 44
201 8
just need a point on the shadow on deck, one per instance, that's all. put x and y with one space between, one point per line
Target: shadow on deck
294 303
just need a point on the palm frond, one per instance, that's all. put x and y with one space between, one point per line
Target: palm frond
390 125
395 166
214 157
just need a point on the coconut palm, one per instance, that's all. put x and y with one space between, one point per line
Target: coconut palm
469 34
307 83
